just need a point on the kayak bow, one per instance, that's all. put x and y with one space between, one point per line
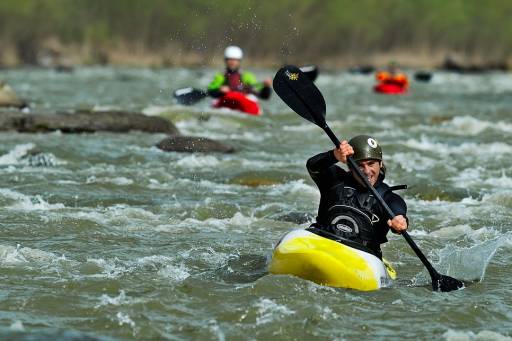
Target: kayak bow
328 262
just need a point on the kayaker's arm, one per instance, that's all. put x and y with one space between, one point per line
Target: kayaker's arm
321 162
262 90
322 169
265 92
215 85
400 222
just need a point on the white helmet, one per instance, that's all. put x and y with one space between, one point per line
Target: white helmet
233 52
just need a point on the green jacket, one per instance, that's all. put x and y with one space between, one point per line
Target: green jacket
247 78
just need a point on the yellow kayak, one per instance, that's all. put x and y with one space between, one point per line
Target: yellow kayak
324 261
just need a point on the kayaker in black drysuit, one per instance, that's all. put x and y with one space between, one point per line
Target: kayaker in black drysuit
347 209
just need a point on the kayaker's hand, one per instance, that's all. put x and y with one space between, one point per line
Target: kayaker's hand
224 89
267 82
345 150
398 224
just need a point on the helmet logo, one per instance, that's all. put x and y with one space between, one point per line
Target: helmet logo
372 142
292 76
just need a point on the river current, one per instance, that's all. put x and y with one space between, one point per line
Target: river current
116 240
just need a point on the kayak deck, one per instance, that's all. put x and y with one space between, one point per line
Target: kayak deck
390 88
239 101
327 262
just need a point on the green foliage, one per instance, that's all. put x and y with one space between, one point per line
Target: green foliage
267 28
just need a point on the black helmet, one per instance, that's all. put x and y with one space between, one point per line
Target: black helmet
365 147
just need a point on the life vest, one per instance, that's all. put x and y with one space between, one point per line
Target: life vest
355 214
234 81
386 78
382 76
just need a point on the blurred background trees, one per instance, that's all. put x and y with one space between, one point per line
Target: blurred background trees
196 31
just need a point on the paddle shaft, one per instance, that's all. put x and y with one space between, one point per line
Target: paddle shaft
391 214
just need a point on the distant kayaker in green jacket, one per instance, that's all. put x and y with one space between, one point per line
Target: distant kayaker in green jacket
235 80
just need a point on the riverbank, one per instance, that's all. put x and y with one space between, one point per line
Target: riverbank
53 54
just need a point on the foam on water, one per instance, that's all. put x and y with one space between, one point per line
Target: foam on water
503 182
468 263
412 162
386 110
20 155
301 128
190 128
117 300
270 311
452 231
119 180
198 161
13 256
425 144
120 216
237 223
156 110
110 268
17 326
484 335
28 203
14 156
176 273
296 187
123 319
468 125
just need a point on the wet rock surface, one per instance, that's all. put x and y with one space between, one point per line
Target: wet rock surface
110 121
191 144
85 122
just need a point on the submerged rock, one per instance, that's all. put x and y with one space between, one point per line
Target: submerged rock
85 122
190 144
10 120
263 178
8 97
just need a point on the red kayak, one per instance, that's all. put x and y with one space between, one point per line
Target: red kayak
239 101
390 88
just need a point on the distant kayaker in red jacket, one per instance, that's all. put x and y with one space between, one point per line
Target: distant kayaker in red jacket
392 80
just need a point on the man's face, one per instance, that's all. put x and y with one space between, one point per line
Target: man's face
233 64
371 169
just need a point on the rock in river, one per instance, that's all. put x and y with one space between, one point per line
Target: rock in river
85 122
192 144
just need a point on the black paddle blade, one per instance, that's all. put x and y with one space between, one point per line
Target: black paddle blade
300 94
189 96
311 71
445 283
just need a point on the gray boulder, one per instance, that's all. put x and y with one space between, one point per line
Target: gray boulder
190 144
10 120
85 122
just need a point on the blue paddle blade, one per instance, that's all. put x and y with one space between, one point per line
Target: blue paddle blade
298 91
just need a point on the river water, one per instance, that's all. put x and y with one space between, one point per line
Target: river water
114 239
